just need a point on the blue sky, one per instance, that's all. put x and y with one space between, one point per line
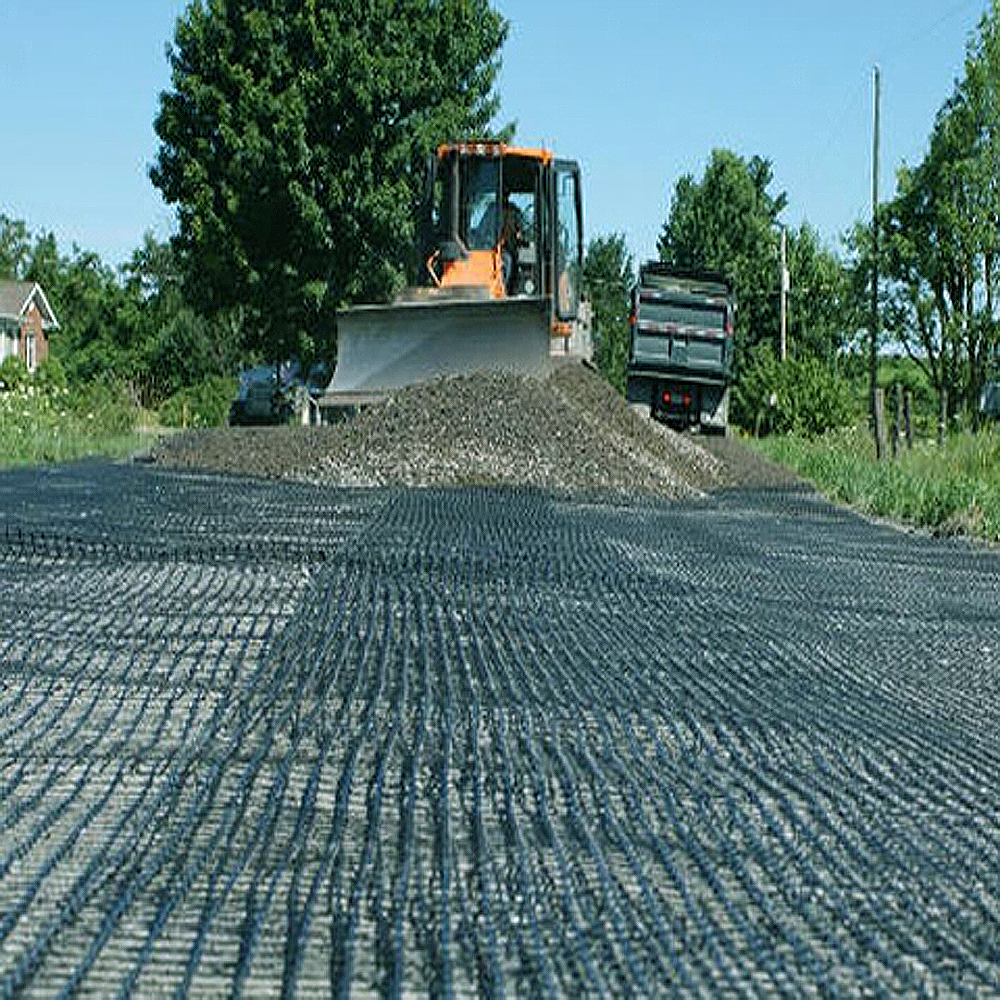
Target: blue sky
640 92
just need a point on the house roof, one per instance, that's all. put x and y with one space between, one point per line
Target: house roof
16 298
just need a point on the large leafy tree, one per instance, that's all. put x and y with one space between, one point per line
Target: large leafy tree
293 141
943 232
924 296
99 322
608 280
727 222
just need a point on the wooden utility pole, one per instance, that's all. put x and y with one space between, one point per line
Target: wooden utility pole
897 427
873 340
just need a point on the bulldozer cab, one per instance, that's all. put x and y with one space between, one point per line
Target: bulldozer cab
501 264
504 223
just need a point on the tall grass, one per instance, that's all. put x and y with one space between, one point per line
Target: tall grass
40 426
948 490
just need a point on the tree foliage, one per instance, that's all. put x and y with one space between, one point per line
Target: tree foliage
132 327
822 302
15 249
176 347
942 233
608 279
727 222
293 144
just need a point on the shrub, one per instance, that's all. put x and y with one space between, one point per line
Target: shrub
797 396
103 408
58 425
50 376
203 405
13 374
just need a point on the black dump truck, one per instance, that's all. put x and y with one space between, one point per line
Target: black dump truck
681 351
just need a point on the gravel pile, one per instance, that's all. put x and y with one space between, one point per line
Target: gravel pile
567 433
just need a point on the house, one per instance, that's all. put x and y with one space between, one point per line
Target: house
26 319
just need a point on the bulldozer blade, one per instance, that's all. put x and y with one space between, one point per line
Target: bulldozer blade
380 348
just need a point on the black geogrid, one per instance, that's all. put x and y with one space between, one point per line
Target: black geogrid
272 738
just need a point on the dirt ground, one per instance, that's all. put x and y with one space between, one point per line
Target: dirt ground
569 433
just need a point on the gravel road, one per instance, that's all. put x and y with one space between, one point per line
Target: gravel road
265 738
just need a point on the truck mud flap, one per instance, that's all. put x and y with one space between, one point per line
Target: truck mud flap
387 347
715 409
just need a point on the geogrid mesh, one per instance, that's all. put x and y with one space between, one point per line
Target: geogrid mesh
261 739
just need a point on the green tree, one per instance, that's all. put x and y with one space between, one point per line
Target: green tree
175 347
293 143
822 308
728 222
943 233
608 279
98 321
15 248
922 285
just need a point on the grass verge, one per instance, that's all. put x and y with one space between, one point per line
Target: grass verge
56 426
46 448
949 490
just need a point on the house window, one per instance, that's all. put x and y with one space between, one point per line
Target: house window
8 340
29 350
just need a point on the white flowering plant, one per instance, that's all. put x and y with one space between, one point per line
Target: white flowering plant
42 420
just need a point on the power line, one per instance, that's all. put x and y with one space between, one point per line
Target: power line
852 108
921 34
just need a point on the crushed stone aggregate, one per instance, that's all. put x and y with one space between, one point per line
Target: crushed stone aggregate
569 432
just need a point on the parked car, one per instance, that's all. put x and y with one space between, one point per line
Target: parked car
318 378
265 395
270 394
